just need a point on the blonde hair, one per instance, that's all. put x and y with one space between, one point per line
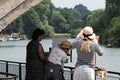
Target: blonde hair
85 46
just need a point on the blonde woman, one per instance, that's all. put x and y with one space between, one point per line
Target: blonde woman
86 46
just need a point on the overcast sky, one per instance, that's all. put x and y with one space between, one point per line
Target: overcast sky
90 4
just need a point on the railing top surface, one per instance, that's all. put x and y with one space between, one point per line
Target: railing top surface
12 62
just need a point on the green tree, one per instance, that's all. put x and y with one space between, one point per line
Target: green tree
58 21
112 10
82 10
31 21
66 13
76 14
17 25
96 20
49 30
44 10
78 23
114 31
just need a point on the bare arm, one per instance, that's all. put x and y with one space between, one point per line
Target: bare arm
41 53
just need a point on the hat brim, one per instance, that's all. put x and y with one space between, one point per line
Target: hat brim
63 46
91 37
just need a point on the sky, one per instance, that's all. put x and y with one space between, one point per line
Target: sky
90 4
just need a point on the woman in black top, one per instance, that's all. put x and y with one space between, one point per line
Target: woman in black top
35 59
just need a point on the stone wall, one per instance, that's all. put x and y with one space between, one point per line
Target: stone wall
12 9
7 5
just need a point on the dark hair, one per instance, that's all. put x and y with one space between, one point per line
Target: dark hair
37 32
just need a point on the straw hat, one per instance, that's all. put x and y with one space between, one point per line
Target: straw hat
87 33
65 44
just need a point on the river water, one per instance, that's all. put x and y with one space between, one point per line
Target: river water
16 51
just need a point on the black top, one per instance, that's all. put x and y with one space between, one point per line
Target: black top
35 67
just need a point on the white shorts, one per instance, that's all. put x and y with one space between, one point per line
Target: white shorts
84 72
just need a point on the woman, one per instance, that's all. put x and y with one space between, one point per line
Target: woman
86 46
56 60
35 59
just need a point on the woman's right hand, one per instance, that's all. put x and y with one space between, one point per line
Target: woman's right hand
79 34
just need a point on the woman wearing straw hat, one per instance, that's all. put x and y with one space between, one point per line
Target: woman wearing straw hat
86 46
56 60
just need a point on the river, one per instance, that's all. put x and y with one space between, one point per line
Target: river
16 51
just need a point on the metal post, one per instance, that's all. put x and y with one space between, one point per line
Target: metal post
71 56
20 72
71 74
6 68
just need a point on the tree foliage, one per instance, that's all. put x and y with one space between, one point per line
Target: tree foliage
112 10
52 20
71 20
114 31
96 20
112 13
31 21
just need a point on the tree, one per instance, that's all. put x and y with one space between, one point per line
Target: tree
114 31
112 13
58 21
44 10
18 25
82 10
112 10
96 20
31 21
